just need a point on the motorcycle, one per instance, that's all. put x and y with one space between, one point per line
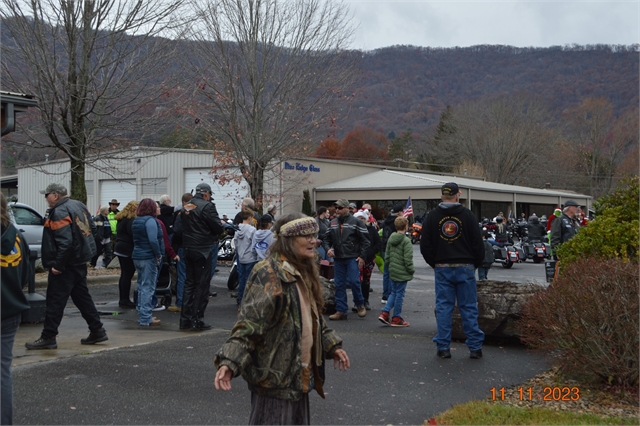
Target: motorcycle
508 254
227 251
416 232
534 250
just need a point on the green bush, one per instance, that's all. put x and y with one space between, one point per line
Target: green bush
590 317
614 233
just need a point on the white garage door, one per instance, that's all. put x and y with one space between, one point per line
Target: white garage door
227 197
122 190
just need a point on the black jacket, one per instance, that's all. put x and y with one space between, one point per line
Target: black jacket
16 271
375 244
323 225
451 235
103 226
388 228
536 231
349 242
200 224
124 237
562 230
68 235
166 216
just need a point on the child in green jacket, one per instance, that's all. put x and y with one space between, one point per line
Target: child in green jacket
399 257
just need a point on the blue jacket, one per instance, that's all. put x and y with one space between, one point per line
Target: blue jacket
147 238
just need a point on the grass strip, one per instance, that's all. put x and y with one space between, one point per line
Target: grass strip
487 413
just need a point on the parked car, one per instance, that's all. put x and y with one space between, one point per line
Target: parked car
29 222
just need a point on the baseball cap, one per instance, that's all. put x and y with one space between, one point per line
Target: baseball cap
569 203
450 188
203 188
342 202
55 188
397 208
352 206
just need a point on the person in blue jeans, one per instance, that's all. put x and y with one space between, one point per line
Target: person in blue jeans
181 266
452 245
399 259
243 239
347 241
148 248
388 228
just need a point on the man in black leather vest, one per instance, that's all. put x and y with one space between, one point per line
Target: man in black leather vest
200 226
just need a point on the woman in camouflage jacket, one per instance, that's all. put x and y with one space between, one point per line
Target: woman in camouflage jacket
281 339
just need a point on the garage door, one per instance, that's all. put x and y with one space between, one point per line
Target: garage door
122 190
227 197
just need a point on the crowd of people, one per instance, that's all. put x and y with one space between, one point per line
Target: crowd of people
279 294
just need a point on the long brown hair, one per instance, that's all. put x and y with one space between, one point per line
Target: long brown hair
129 211
307 267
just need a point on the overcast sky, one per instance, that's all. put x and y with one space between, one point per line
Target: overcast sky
517 23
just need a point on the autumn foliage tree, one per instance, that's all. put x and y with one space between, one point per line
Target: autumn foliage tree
329 148
364 144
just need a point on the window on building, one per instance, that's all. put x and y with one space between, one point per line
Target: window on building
154 186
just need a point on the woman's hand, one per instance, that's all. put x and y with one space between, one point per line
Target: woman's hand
340 360
223 378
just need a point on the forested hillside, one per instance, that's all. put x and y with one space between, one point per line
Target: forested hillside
409 87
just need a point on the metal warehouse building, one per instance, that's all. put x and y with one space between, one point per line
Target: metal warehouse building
150 172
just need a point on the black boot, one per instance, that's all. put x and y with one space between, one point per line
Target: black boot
365 293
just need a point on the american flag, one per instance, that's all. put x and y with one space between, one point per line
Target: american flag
408 209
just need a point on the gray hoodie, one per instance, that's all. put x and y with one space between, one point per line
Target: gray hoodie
243 240
262 240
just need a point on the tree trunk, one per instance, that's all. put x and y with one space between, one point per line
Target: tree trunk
256 183
78 190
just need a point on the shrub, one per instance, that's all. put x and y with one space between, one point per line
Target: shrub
614 233
590 315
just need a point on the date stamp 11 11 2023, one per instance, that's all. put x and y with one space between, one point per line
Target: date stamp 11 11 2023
549 393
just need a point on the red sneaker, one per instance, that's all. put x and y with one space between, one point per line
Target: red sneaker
398 322
384 318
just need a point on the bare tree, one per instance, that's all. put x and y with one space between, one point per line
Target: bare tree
94 67
272 73
507 137
601 141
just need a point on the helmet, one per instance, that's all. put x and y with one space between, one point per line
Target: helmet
203 188
499 219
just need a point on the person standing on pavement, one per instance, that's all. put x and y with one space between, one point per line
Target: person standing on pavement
399 257
281 340
181 267
245 254
124 250
347 242
113 211
375 246
15 262
566 226
148 248
452 245
323 225
103 239
68 243
166 214
200 229
388 228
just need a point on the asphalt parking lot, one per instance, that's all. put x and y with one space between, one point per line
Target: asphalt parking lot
164 376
